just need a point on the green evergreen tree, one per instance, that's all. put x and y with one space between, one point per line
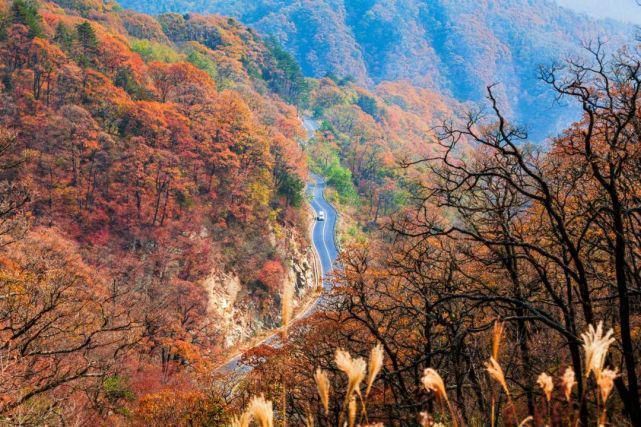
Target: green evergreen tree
369 106
4 25
64 37
292 188
25 12
287 79
88 43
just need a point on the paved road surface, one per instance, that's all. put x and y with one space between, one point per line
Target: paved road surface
323 235
325 246
310 125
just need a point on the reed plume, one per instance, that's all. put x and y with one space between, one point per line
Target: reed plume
569 381
605 382
497 337
425 419
309 420
355 371
353 368
322 384
547 385
242 421
526 420
596 346
433 382
494 369
375 365
287 303
262 411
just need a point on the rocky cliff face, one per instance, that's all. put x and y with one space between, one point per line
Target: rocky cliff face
241 316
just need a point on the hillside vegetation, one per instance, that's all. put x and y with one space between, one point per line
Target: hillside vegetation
152 198
455 47
141 158
154 218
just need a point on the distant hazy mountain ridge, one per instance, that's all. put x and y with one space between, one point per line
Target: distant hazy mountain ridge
456 46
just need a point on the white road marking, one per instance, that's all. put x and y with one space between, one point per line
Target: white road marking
235 361
329 258
319 208
323 233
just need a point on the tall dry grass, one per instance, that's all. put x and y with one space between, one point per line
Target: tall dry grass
323 386
359 375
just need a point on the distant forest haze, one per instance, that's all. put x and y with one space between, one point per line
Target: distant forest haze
177 177
622 10
456 47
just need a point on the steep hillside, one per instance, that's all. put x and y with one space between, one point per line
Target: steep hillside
151 201
457 47
151 207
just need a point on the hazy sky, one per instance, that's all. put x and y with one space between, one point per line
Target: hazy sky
626 10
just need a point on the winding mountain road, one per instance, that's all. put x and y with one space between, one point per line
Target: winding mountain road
324 244
324 231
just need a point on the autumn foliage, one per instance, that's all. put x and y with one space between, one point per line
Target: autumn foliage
131 172
506 291
152 174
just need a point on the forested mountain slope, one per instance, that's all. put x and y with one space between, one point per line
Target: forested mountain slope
457 47
152 216
150 203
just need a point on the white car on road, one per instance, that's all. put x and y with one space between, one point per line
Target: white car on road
321 216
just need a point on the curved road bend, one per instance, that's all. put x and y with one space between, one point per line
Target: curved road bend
324 244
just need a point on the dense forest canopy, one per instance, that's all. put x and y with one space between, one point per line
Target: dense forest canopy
456 47
140 157
155 214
